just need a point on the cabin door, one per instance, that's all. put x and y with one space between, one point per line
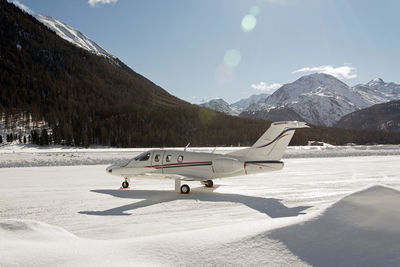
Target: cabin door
158 160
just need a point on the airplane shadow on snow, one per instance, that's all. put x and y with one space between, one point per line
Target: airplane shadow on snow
269 206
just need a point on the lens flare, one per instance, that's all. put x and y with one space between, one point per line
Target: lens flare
232 58
254 10
248 23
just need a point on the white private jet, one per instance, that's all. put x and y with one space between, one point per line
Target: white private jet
265 155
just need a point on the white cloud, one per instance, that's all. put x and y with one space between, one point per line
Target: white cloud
94 3
22 6
343 72
263 86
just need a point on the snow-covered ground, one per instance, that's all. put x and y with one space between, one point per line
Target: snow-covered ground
306 214
34 156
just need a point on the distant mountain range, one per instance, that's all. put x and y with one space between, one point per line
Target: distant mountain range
235 108
318 98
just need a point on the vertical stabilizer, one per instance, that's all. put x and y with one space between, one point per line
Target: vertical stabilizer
272 144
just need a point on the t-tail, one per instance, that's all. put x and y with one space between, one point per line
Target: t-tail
272 144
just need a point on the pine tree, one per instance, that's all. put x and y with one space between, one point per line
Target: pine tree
44 138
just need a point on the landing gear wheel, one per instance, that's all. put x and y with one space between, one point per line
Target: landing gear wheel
125 184
209 183
185 189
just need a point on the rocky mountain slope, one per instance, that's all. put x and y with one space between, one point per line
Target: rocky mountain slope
377 91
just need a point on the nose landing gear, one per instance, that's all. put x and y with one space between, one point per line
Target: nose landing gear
125 183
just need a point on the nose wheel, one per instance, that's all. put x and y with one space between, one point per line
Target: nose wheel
125 184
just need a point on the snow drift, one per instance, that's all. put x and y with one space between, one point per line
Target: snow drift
33 243
362 229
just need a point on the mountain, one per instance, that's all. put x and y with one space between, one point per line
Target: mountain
244 103
277 114
322 99
384 116
377 91
236 108
220 105
319 98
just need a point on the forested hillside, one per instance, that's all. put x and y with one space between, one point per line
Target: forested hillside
384 116
86 99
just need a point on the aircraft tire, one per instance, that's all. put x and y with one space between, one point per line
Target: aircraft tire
185 189
209 183
125 184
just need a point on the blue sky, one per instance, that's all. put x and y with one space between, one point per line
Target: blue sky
203 49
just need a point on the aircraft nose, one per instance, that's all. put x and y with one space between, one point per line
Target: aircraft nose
109 169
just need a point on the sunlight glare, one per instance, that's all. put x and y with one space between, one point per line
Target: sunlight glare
232 58
254 10
249 23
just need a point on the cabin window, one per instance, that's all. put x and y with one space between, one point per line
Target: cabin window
157 158
168 158
180 158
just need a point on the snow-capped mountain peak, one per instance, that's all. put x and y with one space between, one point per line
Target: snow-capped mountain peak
72 35
322 99
375 82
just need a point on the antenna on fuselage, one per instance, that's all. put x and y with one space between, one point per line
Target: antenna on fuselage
215 148
186 146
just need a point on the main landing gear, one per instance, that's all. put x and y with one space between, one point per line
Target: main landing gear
185 189
208 183
125 183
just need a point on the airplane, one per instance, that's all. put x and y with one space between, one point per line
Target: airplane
263 156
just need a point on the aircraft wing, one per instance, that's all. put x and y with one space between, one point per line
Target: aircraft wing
169 176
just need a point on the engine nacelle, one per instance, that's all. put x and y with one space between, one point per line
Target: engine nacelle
227 165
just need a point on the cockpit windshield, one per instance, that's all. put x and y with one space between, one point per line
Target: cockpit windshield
143 157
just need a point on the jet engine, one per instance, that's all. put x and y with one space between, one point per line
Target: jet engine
227 165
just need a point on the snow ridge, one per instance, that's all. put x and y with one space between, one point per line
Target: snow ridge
72 35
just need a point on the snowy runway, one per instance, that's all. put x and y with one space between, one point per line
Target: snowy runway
233 223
